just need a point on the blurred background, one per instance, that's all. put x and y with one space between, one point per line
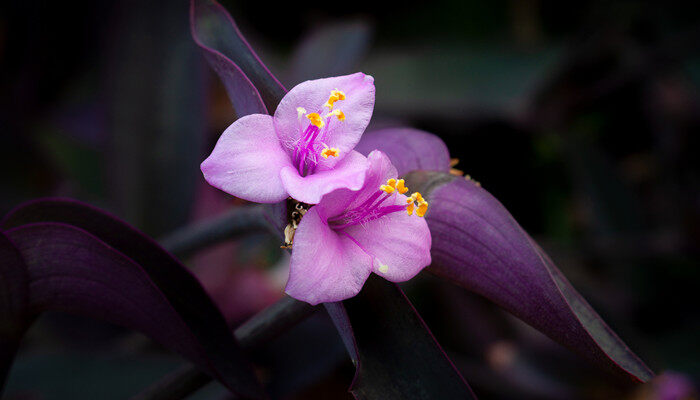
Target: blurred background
582 120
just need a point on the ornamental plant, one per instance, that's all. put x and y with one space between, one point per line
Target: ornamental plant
357 211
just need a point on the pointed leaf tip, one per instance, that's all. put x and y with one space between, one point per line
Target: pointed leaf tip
477 244
252 88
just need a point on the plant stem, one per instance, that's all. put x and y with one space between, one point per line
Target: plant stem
238 220
261 328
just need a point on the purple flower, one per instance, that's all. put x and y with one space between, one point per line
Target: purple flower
304 151
350 234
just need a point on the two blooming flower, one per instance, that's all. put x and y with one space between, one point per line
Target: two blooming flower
360 220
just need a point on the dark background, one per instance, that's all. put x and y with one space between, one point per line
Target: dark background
581 119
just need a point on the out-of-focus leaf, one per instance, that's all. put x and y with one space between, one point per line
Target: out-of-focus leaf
306 354
477 244
75 160
14 292
408 149
395 354
613 207
155 93
331 50
450 82
129 280
216 32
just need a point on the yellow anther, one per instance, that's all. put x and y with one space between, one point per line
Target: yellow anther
315 119
383 268
388 189
401 187
422 209
301 111
416 198
335 96
330 152
390 186
337 113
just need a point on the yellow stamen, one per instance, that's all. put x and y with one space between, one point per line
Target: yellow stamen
301 111
388 189
383 268
401 187
330 152
335 96
337 113
417 198
390 186
315 119
422 209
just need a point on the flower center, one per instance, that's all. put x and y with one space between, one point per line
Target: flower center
374 207
311 143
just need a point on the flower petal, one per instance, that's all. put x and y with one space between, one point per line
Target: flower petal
379 169
312 95
348 173
408 149
247 160
399 243
325 266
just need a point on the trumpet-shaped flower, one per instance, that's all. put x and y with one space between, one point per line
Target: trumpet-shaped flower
350 234
304 151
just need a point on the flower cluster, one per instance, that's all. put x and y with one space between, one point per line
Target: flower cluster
359 221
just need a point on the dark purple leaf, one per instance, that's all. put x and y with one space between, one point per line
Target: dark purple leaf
233 58
129 280
14 289
408 149
331 50
244 97
395 353
478 245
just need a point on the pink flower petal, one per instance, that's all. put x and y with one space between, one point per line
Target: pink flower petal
312 95
400 243
377 173
325 266
348 173
247 160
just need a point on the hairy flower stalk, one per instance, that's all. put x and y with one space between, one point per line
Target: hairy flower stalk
304 151
350 234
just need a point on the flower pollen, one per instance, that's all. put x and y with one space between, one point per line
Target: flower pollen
315 119
416 199
335 96
330 152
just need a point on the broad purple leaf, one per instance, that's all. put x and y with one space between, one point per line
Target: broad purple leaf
395 353
331 50
234 60
408 149
14 289
130 280
477 244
